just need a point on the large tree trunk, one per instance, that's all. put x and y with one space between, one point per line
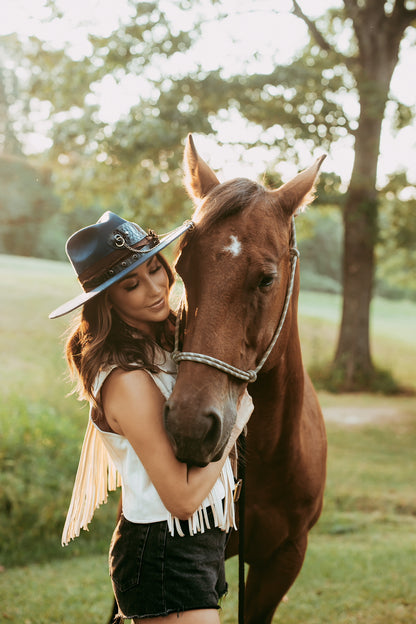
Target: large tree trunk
378 35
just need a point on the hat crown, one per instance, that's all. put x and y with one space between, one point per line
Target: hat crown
94 243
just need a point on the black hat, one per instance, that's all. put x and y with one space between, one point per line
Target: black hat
103 253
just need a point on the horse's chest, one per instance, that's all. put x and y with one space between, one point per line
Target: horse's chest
278 510
266 529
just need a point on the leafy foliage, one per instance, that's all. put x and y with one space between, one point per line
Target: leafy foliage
133 162
27 202
397 236
11 98
321 250
130 164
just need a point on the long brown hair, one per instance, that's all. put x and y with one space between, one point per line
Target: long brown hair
99 338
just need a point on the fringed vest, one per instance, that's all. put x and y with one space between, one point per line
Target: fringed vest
108 460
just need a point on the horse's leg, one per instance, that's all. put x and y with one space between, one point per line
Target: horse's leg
268 581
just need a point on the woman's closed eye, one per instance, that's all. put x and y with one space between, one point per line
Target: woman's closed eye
133 282
154 269
131 285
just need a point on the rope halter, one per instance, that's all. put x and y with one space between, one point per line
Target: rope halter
251 375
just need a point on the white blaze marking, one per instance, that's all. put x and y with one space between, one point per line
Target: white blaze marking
234 247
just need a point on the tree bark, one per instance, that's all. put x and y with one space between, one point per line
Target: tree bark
353 358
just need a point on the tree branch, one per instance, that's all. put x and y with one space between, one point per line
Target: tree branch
352 9
400 7
402 17
409 15
317 35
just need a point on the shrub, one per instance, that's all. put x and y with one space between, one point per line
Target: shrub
39 451
326 376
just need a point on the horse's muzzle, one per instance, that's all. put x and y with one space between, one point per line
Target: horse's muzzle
196 440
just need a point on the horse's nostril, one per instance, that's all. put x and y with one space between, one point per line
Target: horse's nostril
213 429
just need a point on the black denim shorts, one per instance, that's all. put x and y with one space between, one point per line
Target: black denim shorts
154 573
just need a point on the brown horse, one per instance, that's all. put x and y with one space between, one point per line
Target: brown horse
236 266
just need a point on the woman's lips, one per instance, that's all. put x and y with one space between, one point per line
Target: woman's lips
158 304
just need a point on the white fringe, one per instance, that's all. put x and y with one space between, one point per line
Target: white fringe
96 476
223 509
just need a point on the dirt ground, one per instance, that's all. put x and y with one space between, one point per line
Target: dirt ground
356 415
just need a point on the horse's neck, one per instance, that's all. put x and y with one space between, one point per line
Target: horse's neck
278 400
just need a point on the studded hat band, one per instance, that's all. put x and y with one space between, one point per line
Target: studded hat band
116 261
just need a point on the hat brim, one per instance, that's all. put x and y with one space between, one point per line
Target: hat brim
83 297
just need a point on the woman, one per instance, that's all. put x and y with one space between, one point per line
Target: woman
167 551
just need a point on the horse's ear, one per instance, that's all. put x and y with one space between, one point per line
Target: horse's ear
299 192
199 177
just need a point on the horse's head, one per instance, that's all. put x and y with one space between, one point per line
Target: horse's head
235 265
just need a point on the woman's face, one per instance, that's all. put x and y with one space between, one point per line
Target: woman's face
142 297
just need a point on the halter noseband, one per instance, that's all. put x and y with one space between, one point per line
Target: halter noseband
251 375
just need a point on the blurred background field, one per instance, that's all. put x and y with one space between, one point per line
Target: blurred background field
360 563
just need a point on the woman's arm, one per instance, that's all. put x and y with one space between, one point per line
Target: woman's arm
133 406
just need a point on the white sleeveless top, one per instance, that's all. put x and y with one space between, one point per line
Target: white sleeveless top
108 460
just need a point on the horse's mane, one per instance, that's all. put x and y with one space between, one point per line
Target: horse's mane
224 200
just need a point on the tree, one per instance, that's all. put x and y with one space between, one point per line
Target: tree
306 100
27 200
9 95
378 29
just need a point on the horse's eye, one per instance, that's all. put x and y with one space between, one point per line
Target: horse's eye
266 281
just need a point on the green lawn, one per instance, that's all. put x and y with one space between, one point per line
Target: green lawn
392 332
393 318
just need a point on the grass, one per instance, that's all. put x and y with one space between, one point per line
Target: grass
394 318
360 562
30 341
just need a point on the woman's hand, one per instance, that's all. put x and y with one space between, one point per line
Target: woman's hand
244 410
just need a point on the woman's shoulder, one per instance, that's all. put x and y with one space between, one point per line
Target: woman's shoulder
139 378
130 387
131 381
129 397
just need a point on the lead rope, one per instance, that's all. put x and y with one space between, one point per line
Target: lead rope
251 375
241 530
